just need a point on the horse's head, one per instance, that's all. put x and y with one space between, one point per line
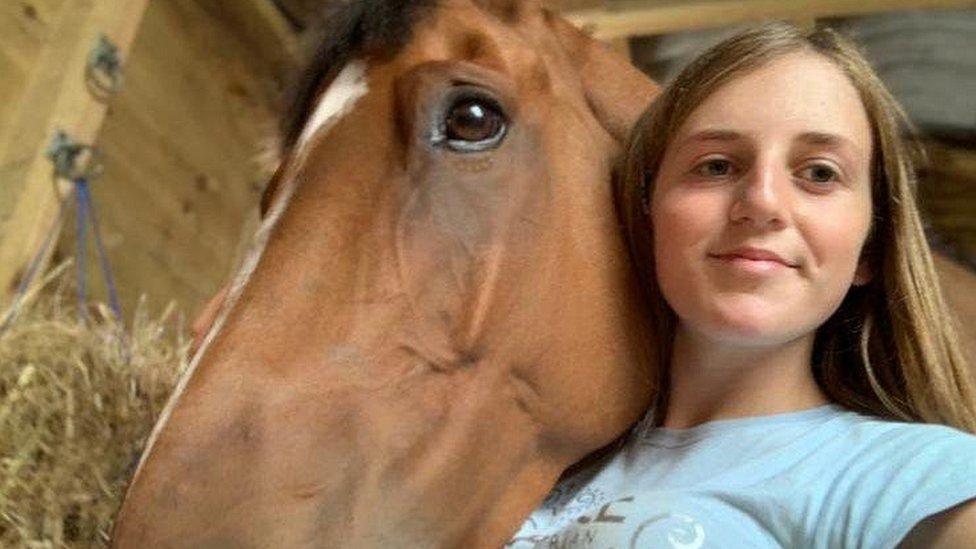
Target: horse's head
439 316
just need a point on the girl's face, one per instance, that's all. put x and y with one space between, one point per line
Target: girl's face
762 204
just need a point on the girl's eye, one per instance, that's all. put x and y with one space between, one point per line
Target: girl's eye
715 167
819 173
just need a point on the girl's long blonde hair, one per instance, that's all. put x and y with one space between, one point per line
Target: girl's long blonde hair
891 349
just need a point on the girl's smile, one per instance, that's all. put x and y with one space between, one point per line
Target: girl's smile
749 260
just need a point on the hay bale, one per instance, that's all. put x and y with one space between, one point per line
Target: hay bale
75 414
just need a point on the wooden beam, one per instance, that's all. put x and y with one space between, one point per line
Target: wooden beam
947 196
959 287
301 12
621 45
665 17
266 18
573 5
56 97
262 24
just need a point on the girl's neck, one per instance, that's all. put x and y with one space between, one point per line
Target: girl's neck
711 380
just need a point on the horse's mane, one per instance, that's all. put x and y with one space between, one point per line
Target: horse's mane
344 30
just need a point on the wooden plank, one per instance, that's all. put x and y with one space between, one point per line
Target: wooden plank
179 149
664 17
959 286
574 5
266 30
25 27
947 195
957 161
55 98
300 12
621 45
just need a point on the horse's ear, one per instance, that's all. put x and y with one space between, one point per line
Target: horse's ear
617 91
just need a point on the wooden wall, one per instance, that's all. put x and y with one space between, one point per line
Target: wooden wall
948 198
25 29
46 48
180 145
179 142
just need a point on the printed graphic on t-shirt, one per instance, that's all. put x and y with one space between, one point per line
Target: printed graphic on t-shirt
587 519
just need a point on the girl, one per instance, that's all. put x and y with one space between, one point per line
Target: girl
768 197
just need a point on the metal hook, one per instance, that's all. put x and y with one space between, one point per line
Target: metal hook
103 73
73 160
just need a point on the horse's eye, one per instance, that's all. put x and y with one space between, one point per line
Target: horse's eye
474 124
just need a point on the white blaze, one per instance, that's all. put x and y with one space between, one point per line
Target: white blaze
347 88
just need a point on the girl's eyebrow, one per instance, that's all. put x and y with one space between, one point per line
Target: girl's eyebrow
712 134
829 139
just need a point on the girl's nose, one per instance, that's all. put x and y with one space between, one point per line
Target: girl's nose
760 197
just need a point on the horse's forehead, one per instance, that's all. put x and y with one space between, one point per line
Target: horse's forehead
522 45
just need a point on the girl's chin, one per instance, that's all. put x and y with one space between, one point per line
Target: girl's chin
748 337
751 327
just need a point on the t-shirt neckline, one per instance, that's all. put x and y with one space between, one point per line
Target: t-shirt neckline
720 427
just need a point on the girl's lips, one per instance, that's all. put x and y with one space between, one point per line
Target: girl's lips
752 266
757 255
753 261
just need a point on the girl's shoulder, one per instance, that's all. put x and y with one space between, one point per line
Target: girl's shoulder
891 475
871 434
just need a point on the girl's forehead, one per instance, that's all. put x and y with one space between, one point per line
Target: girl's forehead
798 93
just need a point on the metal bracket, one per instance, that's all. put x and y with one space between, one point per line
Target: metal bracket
103 72
73 160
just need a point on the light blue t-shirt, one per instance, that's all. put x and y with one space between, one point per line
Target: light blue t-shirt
824 477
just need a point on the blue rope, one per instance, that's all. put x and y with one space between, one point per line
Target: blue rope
86 215
81 251
84 197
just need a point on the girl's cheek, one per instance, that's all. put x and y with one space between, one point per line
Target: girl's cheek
687 215
677 233
834 242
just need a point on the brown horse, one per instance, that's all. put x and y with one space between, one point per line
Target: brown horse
439 316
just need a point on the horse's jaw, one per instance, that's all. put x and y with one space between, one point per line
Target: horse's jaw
410 456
